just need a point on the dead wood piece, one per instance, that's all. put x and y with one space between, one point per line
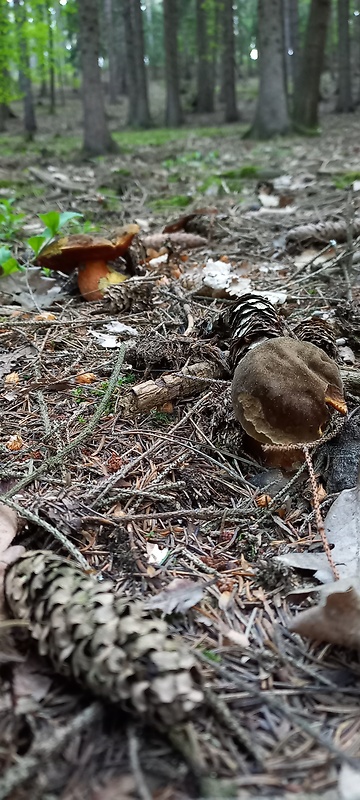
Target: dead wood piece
178 239
351 380
58 181
153 394
322 231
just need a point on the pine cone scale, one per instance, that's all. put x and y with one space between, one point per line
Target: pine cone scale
109 644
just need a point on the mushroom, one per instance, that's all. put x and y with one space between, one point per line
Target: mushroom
283 389
90 254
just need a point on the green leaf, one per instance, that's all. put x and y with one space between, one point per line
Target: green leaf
9 266
37 242
66 216
8 263
51 220
5 254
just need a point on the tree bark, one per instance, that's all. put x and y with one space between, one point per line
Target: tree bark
173 116
51 63
344 100
228 62
120 49
307 92
205 66
271 116
291 39
143 112
97 139
295 38
24 71
3 117
111 50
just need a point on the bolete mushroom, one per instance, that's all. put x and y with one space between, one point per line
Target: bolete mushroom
91 255
283 390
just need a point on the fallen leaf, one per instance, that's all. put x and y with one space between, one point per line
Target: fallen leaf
180 595
13 378
336 619
85 378
311 255
342 527
31 288
156 554
349 777
15 442
8 526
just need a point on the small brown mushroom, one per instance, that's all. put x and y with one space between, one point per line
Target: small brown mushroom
282 390
90 254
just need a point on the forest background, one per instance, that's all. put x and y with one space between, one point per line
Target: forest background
116 63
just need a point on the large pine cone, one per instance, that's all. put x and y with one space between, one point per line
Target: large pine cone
252 320
109 644
319 332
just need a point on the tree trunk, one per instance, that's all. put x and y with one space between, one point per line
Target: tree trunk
143 112
344 99
51 63
228 62
120 49
205 67
173 116
307 89
294 38
24 70
291 39
97 139
3 117
271 116
130 62
111 50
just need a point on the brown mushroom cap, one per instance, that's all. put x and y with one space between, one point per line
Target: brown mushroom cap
69 252
282 390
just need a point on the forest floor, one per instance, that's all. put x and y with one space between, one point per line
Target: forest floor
169 490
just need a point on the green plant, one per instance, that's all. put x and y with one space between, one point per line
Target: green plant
9 221
8 263
54 222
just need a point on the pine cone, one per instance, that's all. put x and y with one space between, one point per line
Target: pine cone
111 645
252 320
318 332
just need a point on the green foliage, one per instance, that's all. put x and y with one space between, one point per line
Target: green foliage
345 179
8 263
9 221
177 201
54 222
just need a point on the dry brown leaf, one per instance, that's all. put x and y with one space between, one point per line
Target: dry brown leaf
15 442
342 527
12 378
337 617
180 595
85 378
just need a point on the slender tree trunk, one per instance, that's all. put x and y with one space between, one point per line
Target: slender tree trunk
205 67
307 91
97 139
228 62
173 115
111 50
130 62
344 99
120 49
51 63
4 78
24 70
294 38
143 111
3 117
271 116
